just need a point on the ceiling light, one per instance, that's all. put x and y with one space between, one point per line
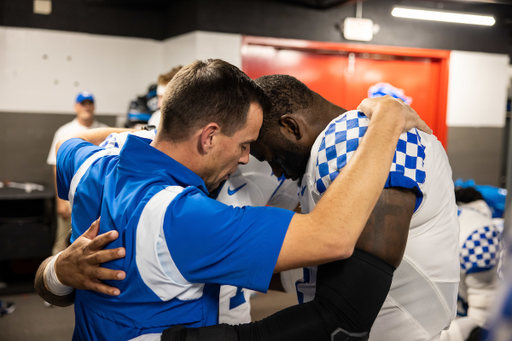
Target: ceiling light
454 17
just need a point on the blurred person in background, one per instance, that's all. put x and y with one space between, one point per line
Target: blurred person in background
85 120
163 80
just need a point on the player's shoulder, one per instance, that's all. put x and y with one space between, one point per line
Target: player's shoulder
342 133
335 146
349 120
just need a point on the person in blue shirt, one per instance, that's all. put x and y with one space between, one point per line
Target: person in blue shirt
181 245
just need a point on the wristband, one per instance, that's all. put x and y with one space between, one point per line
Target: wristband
52 282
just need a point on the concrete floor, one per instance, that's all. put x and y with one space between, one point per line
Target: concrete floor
32 320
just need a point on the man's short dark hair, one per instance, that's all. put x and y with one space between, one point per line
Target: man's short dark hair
286 94
208 91
467 195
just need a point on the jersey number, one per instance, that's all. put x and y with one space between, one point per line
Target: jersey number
238 299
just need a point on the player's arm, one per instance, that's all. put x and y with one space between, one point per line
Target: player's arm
331 230
384 236
94 136
78 266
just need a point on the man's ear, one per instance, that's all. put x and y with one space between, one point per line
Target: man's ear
291 126
207 137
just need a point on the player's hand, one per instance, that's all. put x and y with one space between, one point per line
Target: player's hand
79 265
63 209
388 104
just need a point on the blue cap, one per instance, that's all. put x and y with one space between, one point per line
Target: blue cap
84 96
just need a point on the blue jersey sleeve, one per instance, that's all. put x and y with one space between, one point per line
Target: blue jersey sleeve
214 243
70 157
342 138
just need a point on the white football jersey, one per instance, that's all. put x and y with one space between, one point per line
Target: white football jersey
252 184
423 295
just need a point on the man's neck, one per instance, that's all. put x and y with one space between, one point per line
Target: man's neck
182 152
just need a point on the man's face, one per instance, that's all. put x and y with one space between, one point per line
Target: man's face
230 151
84 110
285 156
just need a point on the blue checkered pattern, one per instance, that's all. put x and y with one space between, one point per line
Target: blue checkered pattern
110 142
117 140
481 250
341 140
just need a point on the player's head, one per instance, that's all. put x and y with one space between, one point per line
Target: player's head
163 80
219 110
84 108
285 138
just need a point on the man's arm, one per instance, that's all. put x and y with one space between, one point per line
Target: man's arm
386 232
384 236
331 230
79 266
94 136
43 291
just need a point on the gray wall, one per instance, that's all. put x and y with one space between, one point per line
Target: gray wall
25 141
475 153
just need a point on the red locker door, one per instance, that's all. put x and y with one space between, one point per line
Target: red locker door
419 78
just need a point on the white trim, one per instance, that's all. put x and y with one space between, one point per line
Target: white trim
83 168
154 261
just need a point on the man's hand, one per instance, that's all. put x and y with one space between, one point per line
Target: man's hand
63 209
370 106
79 265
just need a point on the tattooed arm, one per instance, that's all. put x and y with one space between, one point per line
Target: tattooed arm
385 234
